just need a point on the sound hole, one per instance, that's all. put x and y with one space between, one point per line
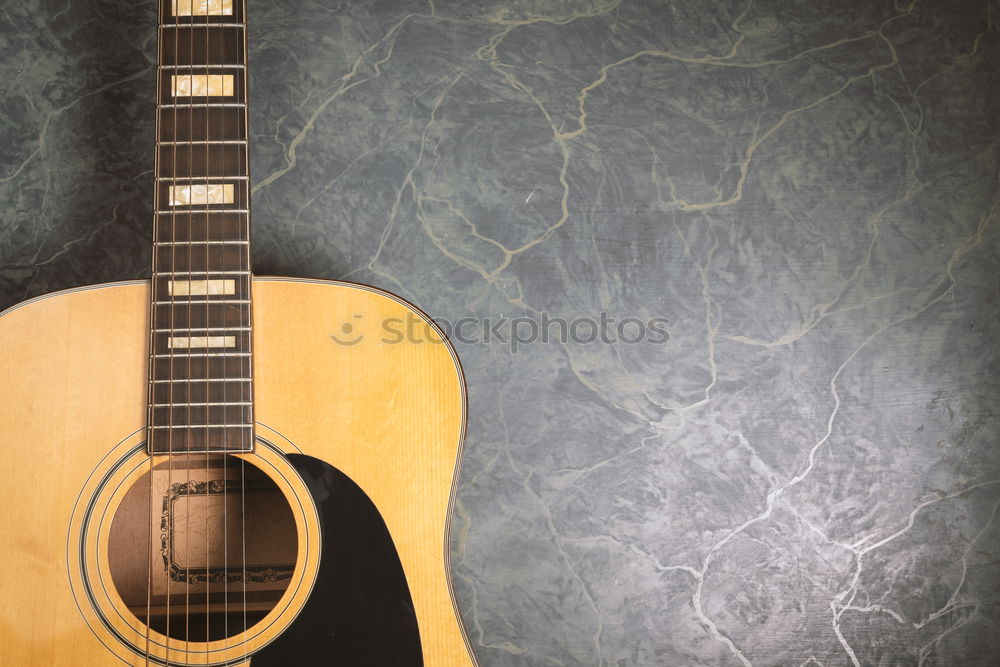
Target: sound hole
203 547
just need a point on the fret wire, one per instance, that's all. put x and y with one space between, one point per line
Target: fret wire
188 329
185 303
202 67
177 355
237 211
206 272
204 142
198 179
209 404
201 426
201 105
164 26
199 330
215 379
194 243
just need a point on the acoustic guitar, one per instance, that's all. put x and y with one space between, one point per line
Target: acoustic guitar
209 468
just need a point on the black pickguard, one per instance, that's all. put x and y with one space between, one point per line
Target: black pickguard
360 612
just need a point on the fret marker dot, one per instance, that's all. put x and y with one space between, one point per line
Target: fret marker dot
202 7
202 85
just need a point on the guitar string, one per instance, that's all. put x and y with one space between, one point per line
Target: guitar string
190 434
169 545
223 129
246 363
212 170
170 430
221 169
243 223
208 312
154 286
152 336
244 199
243 160
224 400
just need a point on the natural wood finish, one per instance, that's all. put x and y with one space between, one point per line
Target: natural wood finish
73 391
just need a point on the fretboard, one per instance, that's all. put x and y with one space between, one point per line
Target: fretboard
201 390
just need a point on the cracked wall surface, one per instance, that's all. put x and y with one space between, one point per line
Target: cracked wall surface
806 472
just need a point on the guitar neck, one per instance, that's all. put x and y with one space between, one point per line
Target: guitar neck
200 397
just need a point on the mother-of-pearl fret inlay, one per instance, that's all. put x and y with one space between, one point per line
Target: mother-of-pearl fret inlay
202 7
188 342
200 287
201 194
202 85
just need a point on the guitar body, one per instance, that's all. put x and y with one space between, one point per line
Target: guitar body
359 410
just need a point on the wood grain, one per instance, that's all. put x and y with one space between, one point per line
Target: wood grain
72 387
